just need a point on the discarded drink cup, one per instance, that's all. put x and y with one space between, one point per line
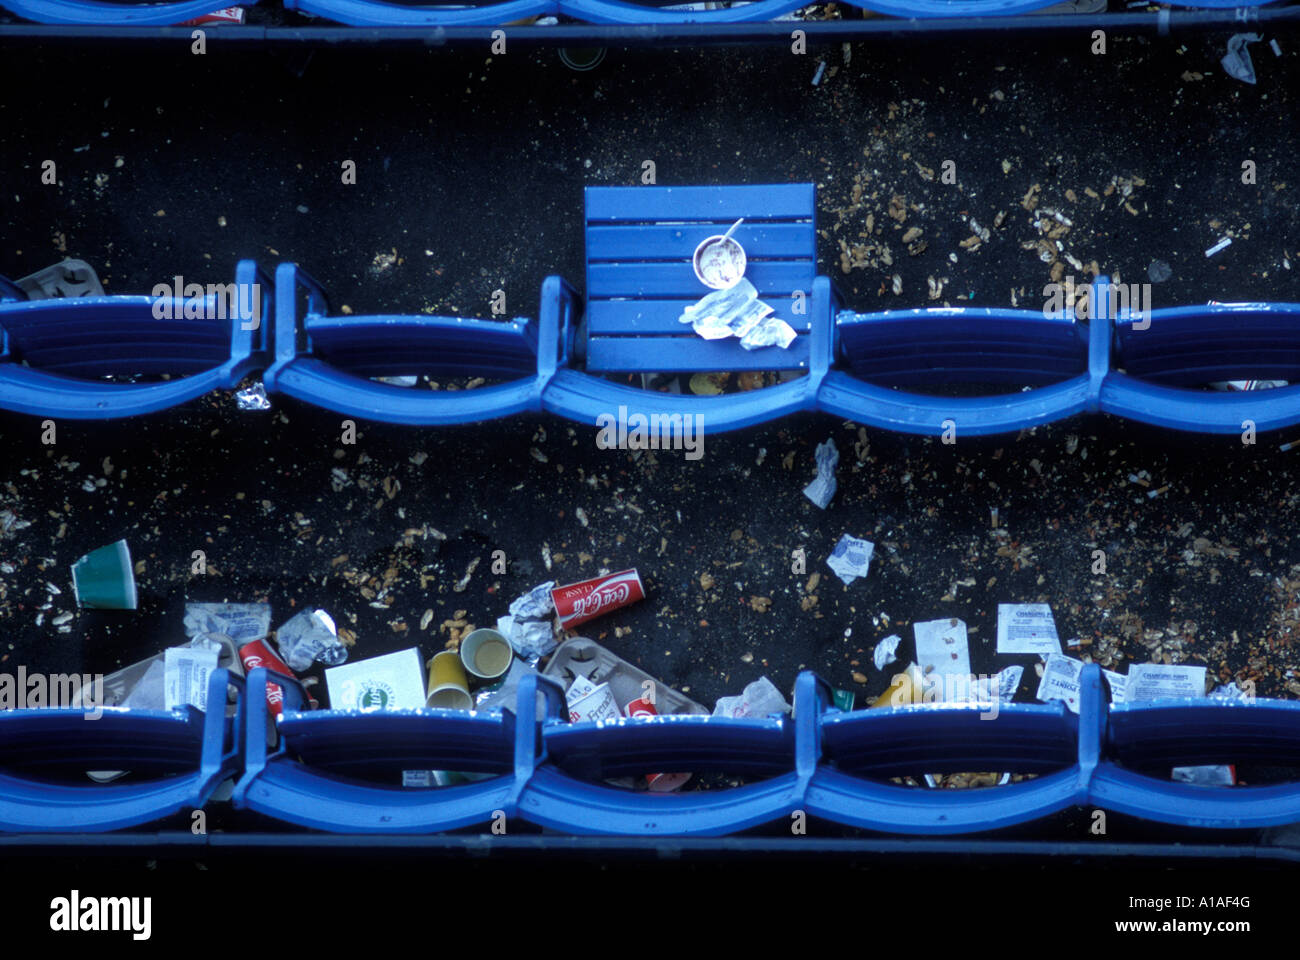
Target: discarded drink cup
448 685
486 654
719 262
104 579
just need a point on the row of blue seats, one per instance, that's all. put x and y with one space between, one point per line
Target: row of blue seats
54 354
338 771
372 13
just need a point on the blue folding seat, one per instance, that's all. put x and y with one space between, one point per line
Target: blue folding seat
175 759
1163 357
619 11
328 361
52 351
1064 360
374 13
640 244
112 14
861 750
341 771
566 791
1145 740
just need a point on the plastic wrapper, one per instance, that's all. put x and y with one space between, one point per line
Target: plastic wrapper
241 622
309 637
759 699
529 638
185 676
886 651
770 332
253 398
822 489
528 626
501 695
1237 62
536 604
851 558
737 312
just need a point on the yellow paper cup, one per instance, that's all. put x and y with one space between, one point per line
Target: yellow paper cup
486 654
448 685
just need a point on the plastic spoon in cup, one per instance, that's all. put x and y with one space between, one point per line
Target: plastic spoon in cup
732 229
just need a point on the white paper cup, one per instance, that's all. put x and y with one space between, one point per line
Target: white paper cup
486 654
719 262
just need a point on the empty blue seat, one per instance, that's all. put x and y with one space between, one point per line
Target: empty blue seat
617 11
1172 350
175 760
640 245
51 351
914 739
563 793
1144 740
1064 360
323 772
373 13
328 360
112 14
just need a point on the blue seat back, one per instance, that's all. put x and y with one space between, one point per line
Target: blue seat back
687 744
1190 346
440 346
951 738
143 741
377 744
1169 733
640 245
96 336
961 345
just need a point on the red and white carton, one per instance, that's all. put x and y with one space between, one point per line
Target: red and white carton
579 602
224 15
258 654
657 782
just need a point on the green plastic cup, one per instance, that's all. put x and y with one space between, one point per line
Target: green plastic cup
104 579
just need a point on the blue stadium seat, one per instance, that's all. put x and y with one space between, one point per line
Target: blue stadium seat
322 773
51 350
1145 740
913 739
1064 361
113 14
328 360
175 760
373 13
564 792
1164 355
640 243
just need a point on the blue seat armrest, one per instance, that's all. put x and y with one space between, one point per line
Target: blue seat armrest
557 321
289 279
250 333
222 743
255 718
